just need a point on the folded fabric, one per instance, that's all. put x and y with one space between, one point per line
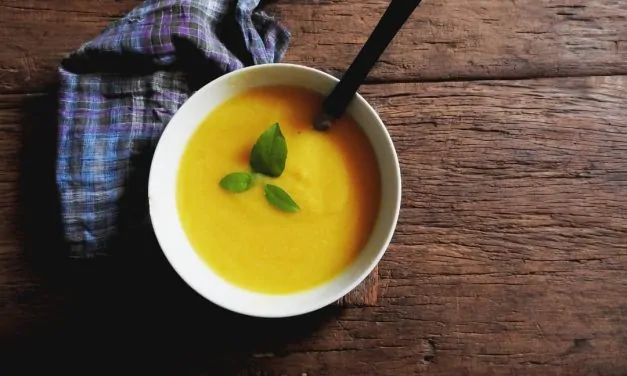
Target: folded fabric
118 92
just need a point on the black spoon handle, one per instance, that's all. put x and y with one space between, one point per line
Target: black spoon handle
392 20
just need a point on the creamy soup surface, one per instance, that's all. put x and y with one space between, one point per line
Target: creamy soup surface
332 176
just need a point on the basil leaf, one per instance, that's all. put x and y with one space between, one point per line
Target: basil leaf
279 198
237 182
269 153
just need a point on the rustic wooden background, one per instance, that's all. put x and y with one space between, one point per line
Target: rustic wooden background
510 256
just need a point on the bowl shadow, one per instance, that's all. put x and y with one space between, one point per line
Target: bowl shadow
129 311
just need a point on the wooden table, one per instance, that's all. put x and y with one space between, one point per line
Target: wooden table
510 257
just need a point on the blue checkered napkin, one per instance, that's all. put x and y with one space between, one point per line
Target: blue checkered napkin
118 92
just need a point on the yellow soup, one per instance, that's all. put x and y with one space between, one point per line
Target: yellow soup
332 176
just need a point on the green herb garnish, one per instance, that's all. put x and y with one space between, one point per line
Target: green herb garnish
237 182
279 198
269 153
267 157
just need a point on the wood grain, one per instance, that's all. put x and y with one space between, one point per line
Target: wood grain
466 39
365 294
511 253
510 257
454 39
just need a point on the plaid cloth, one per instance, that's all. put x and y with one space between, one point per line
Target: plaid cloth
119 91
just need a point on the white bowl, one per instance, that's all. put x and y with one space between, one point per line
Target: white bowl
165 217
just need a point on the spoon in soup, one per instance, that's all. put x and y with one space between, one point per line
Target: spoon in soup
338 100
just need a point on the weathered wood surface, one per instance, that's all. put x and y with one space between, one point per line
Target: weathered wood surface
467 39
510 256
454 39
365 294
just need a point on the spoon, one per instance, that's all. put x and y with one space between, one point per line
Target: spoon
338 100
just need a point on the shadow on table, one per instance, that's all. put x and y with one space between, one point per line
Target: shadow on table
129 312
